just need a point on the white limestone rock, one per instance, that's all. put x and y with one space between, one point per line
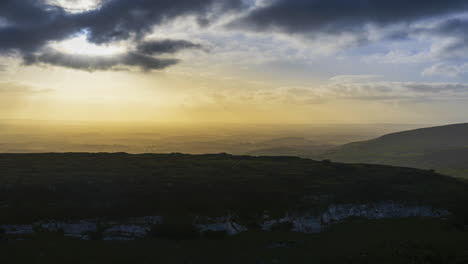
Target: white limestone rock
302 224
337 213
220 224
139 227
340 212
18 229
78 229
125 232
307 224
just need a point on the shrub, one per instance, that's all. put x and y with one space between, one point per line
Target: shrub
215 235
175 231
97 235
457 222
282 227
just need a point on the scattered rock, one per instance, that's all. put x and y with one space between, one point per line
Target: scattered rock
140 227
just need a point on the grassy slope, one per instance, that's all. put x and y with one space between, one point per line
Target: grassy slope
385 241
38 186
442 148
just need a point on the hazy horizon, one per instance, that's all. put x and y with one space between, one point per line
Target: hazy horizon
27 136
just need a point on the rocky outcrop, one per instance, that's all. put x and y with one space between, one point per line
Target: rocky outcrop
140 227
71 229
122 229
302 224
17 229
337 213
126 232
220 224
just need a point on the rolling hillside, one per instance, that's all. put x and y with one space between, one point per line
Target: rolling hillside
444 149
53 186
103 197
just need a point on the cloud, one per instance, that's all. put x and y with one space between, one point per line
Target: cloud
28 26
447 38
166 46
446 70
437 88
333 92
354 78
95 63
14 88
141 57
32 23
441 25
455 33
397 91
121 19
77 6
338 16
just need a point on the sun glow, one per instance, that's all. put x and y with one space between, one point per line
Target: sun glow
80 46
76 6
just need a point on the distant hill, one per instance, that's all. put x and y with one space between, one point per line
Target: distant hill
443 148
295 151
287 141
289 146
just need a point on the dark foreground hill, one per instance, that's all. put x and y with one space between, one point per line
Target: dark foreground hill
443 148
109 187
56 186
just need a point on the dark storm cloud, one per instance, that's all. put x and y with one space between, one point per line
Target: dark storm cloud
31 24
166 46
337 16
120 19
95 63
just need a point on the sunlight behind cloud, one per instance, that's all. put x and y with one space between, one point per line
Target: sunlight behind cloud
76 6
80 46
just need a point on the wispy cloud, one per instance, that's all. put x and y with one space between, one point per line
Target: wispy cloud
446 70
19 89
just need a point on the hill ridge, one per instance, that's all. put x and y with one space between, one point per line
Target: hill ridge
444 148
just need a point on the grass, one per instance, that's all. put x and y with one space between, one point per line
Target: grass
56 186
86 185
408 241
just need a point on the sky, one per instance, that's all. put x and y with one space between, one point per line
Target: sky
235 61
